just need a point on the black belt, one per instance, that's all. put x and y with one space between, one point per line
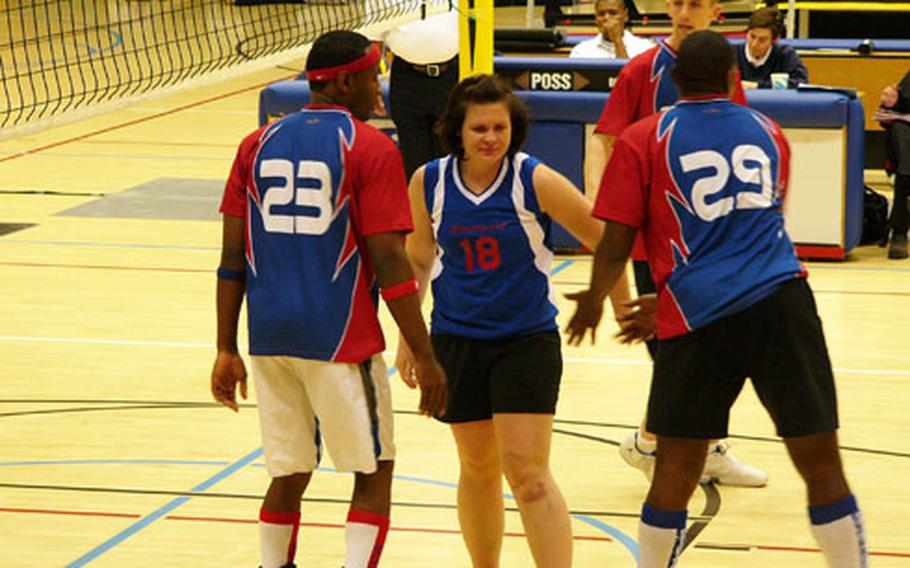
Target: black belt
432 69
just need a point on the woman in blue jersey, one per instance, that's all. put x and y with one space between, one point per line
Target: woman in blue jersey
482 220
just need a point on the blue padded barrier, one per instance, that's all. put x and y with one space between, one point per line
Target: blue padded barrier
557 134
285 97
856 159
793 109
800 109
563 106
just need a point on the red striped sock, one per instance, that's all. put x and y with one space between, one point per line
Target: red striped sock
365 534
277 538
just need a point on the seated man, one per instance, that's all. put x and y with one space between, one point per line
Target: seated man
897 98
763 55
613 39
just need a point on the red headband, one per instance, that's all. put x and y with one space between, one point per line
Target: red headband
359 64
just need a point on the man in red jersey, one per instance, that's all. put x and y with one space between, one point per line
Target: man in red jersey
643 88
315 213
704 182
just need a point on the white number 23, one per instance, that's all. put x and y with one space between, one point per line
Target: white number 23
319 197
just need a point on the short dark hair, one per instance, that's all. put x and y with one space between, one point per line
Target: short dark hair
481 89
335 48
703 64
623 3
769 18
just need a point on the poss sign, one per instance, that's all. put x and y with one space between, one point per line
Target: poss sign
560 80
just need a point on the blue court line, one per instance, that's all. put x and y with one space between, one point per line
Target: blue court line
162 511
618 535
623 538
561 266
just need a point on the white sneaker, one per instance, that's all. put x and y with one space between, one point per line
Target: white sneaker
723 467
634 456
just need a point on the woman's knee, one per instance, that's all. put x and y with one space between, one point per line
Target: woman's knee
480 464
528 476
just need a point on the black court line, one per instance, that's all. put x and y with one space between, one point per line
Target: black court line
712 495
258 497
708 512
9 228
817 291
724 547
169 404
99 409
586 436
697 523
54 192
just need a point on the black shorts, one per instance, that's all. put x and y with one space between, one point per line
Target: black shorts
644 284
513 375
778 343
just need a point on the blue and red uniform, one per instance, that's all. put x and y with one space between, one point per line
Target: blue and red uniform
491 277
643 88
708 205
311 187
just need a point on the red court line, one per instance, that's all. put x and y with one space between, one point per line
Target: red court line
72 513
340 526
255 521
143 119
161 143
802 549
765 547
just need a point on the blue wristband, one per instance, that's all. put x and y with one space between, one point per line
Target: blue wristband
228 274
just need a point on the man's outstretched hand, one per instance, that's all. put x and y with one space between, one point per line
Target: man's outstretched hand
588 312
638 324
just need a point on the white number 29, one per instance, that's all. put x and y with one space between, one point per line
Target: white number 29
751 165
319 197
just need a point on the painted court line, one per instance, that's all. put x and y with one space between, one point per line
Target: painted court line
141 120
393 528
737 547
161 512
105 245
193 345
90 341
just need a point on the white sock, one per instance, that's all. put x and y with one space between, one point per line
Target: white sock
277 538
364 535
661 535
643 445
839 530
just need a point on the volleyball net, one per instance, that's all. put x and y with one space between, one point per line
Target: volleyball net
59 56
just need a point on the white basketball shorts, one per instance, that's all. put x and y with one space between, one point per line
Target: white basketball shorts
303 403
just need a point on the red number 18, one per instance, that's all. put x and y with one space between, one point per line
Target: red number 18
486 256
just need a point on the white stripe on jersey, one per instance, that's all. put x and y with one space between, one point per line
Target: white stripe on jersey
439 197
543 256
476 198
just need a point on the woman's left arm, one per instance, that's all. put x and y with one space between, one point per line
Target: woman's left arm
561 200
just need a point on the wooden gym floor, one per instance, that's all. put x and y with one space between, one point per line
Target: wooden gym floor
112 453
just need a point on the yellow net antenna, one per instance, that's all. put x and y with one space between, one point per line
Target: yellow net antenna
475 37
